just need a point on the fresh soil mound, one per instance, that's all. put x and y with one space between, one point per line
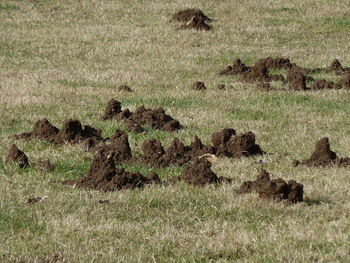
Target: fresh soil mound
15 155
154 118
227 143
275 63
323 156
71 132
296 80
324 84
187 14
197 23
259 72
104 176
154 154
336 66
45 166
125 88
198 85
237 68
277 189
199 173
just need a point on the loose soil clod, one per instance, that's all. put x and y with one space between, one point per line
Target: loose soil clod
277 189
296 80
187 14
324 84
198 85
196 22
17 156
155 118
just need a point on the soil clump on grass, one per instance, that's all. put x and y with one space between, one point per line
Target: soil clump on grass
72 132
275 189
324 84
187 14
237 68
199 173
154 118
296 80
197 22
228 144
198 85
17 156
104 176
323 156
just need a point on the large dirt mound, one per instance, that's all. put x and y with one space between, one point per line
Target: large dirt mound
154 118
199 173
276 189
323 156
17 156
296 80
187 14
72 132
227 143
104 176
177 153
275 63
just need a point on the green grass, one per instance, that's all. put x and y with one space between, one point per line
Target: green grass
66 59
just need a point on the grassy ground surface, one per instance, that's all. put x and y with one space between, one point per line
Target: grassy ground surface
65 59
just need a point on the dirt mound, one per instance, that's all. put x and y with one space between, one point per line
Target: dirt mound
199 173
177 153
323 156
277 189
275 63
45 166
71 132
15 155
187 14
154 118
196 22
227 143
345 80
125 88
237 68
104 176
336 66
198 85
324 84
296 80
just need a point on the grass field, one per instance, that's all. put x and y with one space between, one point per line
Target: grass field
66 59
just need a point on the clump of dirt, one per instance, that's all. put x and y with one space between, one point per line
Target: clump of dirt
259 72
196 22
275 63
227 143
17 156
276 189
324 84
336 66
296 80
154 154
199 173
198 85
134 127
323 156
46 166
104 176
71 132
237 68
345 80
154 118
187 14
125 88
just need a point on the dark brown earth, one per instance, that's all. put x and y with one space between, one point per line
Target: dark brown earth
275 63
237 68
337 67
125 88
264 86
154 118
153 153
199 173
196 22
104 176
45 166
227 143
345 80
187 14
198 85
276 189
72 132
15 155
323 156
296 80
324 84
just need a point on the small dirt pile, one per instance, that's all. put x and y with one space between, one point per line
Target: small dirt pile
154 118
15 155
199 173
227 143
71 132
275 63
198 85
276 189
197 22
296 80
237 68
323 156
187 14
104 176
324 84
153 153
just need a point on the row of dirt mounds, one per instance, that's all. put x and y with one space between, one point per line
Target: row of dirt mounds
18 157
154 118
277 189
192 19
323 156
295 76
72 131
